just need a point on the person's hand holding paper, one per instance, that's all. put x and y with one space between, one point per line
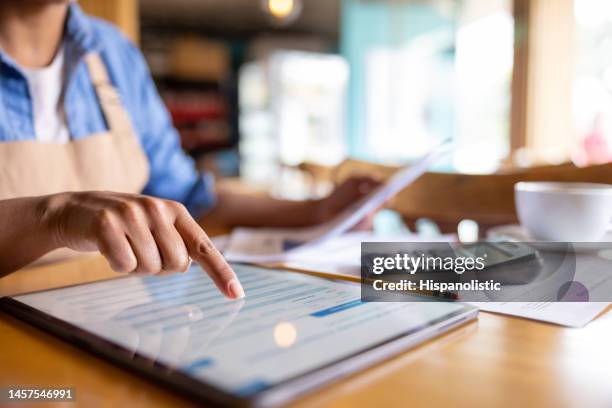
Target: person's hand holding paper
273 245
344 195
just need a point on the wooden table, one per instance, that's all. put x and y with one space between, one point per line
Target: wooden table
497 361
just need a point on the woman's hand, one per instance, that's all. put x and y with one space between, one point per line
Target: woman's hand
137 234
343 196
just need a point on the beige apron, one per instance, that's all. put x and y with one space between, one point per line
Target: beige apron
111 160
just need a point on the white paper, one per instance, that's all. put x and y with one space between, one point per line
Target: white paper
260 245
571 314
592 271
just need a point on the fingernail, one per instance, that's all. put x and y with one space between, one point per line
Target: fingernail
235 289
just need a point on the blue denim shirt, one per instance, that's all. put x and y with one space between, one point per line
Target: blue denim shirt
173 174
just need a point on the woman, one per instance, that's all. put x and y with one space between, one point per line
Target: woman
83 133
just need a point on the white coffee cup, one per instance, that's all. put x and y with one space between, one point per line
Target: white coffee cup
564 211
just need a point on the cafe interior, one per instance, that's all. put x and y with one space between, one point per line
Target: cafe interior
291 96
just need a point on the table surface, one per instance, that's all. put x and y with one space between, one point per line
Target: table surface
496 361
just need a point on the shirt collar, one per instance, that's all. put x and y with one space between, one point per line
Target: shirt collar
79 30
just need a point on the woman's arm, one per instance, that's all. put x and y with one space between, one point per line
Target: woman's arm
241 209
25 235
137 234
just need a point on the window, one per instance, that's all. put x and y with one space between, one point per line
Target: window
592 90
423 72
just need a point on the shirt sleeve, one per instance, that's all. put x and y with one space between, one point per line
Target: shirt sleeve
173 174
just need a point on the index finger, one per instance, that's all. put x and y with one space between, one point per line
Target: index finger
203 251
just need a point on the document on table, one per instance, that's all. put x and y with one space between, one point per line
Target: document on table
592 271
340 257
570 314
273 245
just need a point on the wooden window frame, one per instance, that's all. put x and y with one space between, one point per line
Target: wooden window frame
541 122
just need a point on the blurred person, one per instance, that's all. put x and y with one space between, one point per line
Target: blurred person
90 160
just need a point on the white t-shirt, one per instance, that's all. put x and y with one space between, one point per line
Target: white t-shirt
46 86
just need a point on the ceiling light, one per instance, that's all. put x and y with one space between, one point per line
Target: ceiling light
282 12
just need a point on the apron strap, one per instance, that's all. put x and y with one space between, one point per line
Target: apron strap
115 115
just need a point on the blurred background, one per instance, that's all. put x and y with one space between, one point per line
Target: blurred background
262 89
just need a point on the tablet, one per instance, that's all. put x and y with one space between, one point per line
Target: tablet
291 334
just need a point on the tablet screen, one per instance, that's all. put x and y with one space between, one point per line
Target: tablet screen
287 325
